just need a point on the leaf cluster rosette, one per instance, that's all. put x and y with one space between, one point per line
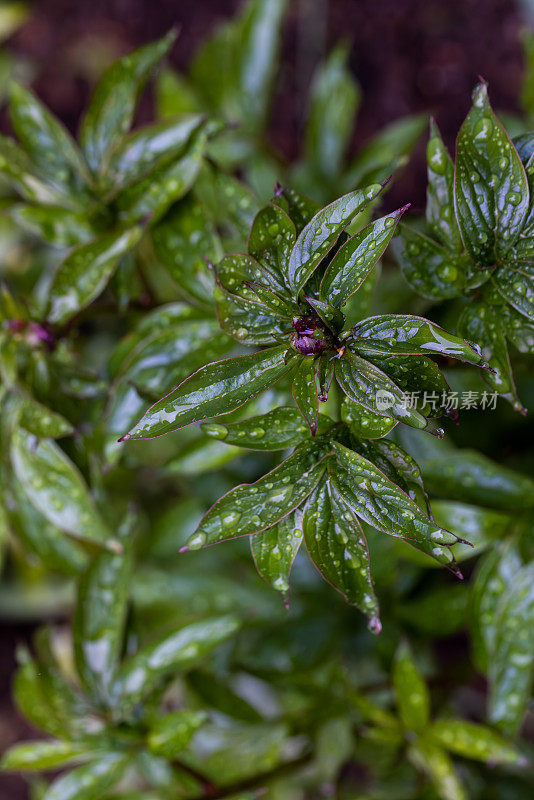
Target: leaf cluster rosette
478 241
301 270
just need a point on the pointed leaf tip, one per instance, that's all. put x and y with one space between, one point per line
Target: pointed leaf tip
125 438
375 625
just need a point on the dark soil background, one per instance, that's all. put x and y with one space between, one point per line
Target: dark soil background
408 56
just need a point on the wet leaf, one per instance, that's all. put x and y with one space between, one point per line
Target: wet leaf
172 732
143 672
213 390
365 384
322 232
90 781
481 323
510 668
474 741
278 429
337 546
251 508
411 692
334 101
495 574
54 487
249 47
517 287
471 477
41 755
56 225
491 189
274 551
100 616
365 424
16 166
298 207
435 762
85 272
150 198
183 239
112 107
305 392
440 192
271 240
49 145
355 259
42 421
384 506
139 153
430 269
50 544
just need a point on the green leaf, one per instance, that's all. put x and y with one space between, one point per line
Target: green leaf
383 505
213 390
387 151
517 287
54 487
56 225
491 188
170 734
183 239
248 321
112 107
518 329
200 456
365 424
50 147
42 421
173 342
481 526
41 755
271 240
322 232
150 198
16 166
46 541
334 101
435 762
141 152
275 549
481 323
406 334
249 47
299 208
440 193
51 703
214 692
277 430
337 546
355 259
251 508
365 384
411 692
430 269
90 781
175 95
474 741
143 672
85 272
495 574
511 665
237 752
305 392
100 617
473 478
